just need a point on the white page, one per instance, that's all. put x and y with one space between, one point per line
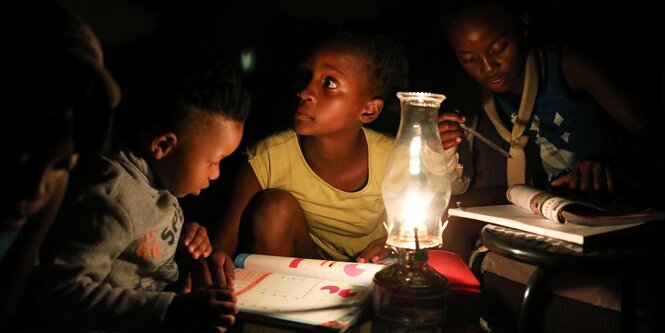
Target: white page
352 272
516 217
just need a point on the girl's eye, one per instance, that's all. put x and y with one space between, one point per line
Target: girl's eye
467 59
329 83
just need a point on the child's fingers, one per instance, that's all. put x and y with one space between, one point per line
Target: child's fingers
204 273
562 180
609 180
383 253
377 254
598 176
200 247
207 250
450 132
226 320
200 244
451 143
225 308
189 232
372 253
585 175
187 287
229 279
229 273
363 256
221 269
452 116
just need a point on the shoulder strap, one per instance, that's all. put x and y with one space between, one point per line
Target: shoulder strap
517 164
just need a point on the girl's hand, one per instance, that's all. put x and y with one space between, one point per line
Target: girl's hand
375 252
449 130
195 240
587 176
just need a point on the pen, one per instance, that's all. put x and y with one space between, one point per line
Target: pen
486 140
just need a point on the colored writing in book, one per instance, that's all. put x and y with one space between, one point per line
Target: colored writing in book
343 293
349 269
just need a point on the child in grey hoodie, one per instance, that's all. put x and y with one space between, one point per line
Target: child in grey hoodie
111 254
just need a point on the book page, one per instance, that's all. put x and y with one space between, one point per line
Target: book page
596 218
512 216
562 210
300 299
351 272
540 202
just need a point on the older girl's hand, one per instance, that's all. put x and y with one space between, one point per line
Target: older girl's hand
587 176
375 252
449 130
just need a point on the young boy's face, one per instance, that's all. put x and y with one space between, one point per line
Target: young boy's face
195 156
336 94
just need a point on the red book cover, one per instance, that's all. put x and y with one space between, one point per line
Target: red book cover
463 290
459 275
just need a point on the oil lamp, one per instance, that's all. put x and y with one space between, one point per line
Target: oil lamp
416 191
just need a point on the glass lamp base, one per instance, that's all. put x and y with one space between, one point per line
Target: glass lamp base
410 293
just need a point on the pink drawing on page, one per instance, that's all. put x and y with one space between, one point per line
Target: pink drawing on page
353 270
294 263
334 323
332 289
346 293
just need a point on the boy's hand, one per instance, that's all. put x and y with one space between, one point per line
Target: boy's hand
195 240
375 251
203 310
449 130
222 269
198 276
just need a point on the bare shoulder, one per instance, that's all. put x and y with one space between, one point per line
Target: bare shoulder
579 69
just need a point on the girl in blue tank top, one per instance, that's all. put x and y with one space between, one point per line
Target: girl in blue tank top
578 112
568 128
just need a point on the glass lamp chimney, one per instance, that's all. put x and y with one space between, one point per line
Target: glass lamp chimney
409 295
416 188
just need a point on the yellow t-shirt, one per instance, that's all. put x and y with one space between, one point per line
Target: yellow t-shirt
341 223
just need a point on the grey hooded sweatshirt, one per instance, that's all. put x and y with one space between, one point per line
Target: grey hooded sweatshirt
111 251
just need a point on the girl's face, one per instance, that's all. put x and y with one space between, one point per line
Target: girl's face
490 51
336 93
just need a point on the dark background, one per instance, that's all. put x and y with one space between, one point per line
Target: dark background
627 38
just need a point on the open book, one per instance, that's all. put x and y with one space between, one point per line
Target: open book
562 210
304 294
542 213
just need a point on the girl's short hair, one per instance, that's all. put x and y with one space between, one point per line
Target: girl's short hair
388 67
